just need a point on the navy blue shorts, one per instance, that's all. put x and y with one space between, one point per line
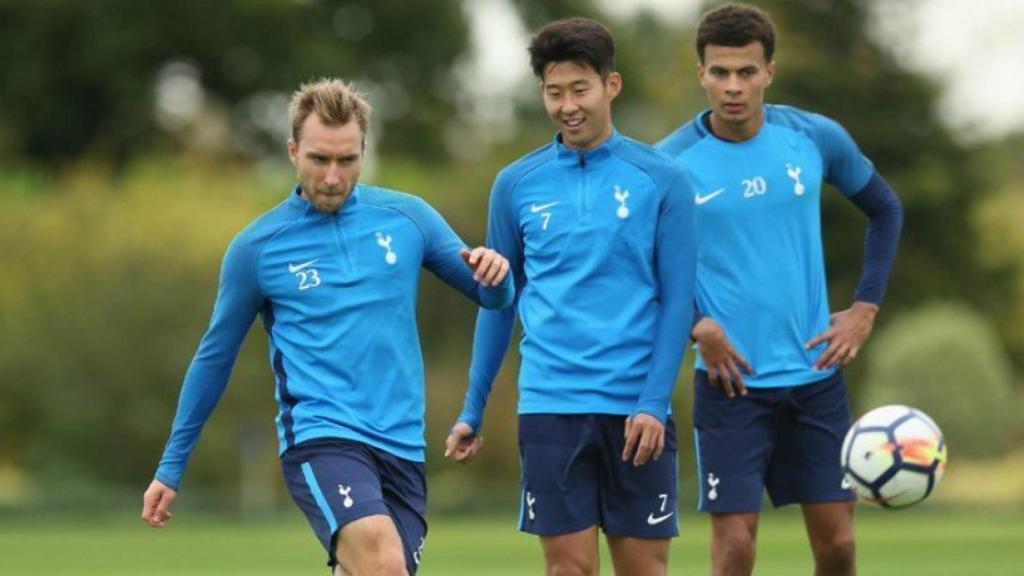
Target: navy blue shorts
786 440
336 481
574 478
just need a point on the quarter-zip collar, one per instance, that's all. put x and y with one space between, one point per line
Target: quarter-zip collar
584 158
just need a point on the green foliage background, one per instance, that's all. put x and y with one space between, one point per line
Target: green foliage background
112 225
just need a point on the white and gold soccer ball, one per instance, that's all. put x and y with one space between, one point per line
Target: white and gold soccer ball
894 456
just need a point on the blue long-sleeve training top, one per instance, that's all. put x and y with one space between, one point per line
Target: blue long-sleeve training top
337 295
761 268
603 250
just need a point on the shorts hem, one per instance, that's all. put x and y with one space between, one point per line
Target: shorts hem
624 532
817 500
559 530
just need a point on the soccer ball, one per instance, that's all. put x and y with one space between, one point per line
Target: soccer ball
894 456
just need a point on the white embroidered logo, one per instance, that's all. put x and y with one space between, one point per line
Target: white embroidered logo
418 554
698 199
794 173
385 242
529 506
308 277
713 483
535 208
621 195
348 502
652 519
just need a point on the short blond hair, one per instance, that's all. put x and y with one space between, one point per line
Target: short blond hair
334 101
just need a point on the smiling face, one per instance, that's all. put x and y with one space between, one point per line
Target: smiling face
735 79
579 102
327 161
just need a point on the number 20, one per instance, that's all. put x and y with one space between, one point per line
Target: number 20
754 187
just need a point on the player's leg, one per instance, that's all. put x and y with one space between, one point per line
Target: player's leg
336 485
370 545
806 470
648 556
560 489
638 503
733 543
405 493
572 554
830 530
734 441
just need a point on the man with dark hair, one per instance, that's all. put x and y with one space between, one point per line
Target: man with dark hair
770 407
599 235
333 271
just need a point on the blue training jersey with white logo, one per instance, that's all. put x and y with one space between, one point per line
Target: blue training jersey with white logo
760 269
603 250
337 295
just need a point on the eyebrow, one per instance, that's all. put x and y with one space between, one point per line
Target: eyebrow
573 84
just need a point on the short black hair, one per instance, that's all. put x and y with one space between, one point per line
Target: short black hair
581 40
736 25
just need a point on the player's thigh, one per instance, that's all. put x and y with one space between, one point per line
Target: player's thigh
647 556
333 482
734 439
559 475
370 544
637 501
806 465
405 492
574 553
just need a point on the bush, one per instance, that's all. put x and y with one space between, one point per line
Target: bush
946 360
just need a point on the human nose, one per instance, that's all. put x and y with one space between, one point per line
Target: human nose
333 174
733 84
569 104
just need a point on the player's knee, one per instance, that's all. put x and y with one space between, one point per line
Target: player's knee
739 542
571 565
383 563
835 555
376 557
738 545
390 563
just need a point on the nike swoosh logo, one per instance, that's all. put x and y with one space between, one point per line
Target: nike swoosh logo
707 197
537 208
652 519
293 268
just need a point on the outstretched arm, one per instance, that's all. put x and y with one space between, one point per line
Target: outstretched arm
493 327
238 300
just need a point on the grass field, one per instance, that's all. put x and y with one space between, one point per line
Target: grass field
913 542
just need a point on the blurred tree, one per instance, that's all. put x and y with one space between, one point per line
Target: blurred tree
946 360
83 76
114 275
997 219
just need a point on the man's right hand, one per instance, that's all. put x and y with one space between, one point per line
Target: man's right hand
462 443
725 365
155 501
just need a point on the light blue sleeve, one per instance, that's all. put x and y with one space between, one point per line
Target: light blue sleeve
676 263
442 257
238 301
846 167
494 327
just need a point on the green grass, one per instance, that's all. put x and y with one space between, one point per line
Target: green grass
913 542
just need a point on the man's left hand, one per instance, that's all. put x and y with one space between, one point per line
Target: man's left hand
847 334
646 435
